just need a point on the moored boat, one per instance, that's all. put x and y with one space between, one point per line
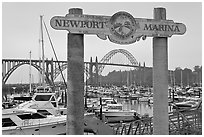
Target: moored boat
144 99
187 103
17 121
115 113
42 116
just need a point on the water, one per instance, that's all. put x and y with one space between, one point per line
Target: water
140 107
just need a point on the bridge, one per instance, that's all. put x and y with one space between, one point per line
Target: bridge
53 68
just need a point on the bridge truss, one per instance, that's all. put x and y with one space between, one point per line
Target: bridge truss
52 68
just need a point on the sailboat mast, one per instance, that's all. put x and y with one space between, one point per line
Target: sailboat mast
30 72
43 58
128 82
40 61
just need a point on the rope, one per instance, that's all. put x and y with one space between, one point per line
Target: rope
54 53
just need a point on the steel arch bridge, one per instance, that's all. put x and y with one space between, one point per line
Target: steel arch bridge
5 78
52 68
103 62
10 65
110 54
64 66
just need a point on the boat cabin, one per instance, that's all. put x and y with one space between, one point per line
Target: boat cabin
114 106
43 102
45 97
43 89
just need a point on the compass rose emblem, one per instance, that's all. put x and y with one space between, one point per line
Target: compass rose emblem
122 25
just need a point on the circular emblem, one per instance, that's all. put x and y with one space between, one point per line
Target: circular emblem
122 25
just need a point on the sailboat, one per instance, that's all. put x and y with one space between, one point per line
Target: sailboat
29 118
42 116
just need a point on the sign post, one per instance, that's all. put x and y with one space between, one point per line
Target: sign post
121 28
75 80
160 80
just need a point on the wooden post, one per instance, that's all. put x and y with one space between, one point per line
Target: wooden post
91 72
62 96
160 80
65 97
97 84
86 93
101 107
173 95
199 95
75 81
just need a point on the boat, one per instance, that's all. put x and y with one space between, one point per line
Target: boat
27 121
43 116
124 96
91 103
8 104
135 96
104 102
108 100
116 113
151 99
144 99
30 122
44 102
39 116
187 103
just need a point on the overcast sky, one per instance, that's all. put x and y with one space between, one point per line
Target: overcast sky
21 31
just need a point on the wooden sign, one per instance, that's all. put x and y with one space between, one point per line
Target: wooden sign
121 28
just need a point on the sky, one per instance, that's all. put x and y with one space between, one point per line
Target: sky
21 32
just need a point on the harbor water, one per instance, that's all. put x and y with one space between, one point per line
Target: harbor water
140 107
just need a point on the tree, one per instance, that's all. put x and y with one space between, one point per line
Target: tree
187 77
178 74
197 75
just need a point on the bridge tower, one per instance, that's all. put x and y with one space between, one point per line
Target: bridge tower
10 65
50 71
3 70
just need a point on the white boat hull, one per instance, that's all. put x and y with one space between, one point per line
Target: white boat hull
144 99
118 113
52 126
117 116
41 129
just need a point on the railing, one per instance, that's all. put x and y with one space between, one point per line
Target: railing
138 127
186 122
181 122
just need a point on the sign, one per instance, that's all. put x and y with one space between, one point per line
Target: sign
121 28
